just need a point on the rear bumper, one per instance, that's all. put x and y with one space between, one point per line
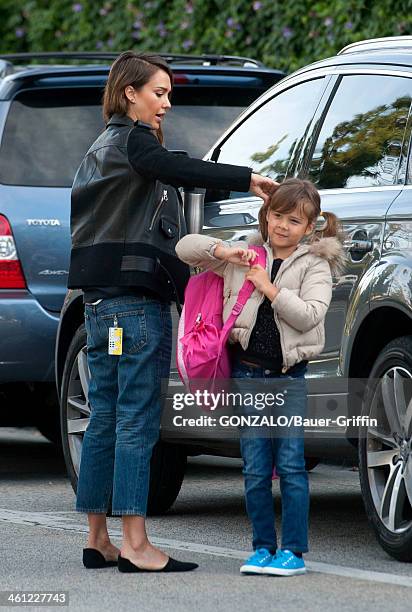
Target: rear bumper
27 338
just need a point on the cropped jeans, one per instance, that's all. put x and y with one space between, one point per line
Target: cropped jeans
261 453
124 396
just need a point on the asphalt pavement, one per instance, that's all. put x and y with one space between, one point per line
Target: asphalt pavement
41 537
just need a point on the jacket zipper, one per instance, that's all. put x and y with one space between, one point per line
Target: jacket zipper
282 342
254 320
179 209
164 198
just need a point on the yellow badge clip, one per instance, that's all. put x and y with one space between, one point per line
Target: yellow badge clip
115 339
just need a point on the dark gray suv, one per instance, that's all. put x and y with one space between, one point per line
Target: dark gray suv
346 124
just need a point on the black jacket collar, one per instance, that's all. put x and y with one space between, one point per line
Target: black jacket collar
126 120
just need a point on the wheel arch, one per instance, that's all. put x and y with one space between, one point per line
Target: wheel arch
72 317
380 326
372 336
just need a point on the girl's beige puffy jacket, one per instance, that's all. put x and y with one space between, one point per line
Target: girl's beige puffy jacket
305 283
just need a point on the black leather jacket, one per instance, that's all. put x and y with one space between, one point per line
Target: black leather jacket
125 221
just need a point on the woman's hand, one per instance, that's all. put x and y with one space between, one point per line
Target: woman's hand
260 278
234 255
262 186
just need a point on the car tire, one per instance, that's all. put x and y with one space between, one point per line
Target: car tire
167 471
311 463
74 405
168 461
385 454
48 416
51 433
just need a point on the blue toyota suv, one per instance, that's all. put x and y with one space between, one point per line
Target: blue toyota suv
50 113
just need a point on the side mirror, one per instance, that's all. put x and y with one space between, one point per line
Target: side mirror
193 203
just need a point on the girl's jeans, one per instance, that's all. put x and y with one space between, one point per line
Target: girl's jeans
260 454
124 396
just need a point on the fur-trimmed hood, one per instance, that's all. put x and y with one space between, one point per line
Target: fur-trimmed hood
330 249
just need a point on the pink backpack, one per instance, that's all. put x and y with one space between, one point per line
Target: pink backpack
202 351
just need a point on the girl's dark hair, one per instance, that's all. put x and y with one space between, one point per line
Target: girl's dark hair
134 69
301 194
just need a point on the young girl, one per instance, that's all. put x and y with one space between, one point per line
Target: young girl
280 328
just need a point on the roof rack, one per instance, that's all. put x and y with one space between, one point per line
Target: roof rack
389 42
5 68
205 60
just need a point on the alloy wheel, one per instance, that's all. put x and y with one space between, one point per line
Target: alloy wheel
388 449
78 407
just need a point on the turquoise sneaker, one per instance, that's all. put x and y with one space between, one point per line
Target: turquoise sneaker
257 562
285 563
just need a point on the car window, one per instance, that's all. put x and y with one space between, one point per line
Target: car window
199 115
271 138
360 142
48 132
46 136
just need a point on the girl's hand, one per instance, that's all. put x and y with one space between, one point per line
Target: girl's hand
260 278
234 255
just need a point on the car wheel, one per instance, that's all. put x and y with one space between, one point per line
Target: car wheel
311 463
74 403
47 418
168 462
167 470
385 454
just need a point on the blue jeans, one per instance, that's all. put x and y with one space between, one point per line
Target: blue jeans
124 396
260 454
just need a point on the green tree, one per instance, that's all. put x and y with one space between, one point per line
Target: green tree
284 35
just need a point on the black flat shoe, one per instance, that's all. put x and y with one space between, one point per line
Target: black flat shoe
172 565
93 559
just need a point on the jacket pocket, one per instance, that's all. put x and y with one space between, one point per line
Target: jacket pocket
169 228
133 323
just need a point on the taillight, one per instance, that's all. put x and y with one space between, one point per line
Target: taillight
11 274
180 79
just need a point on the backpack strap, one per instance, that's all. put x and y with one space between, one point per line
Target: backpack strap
244 294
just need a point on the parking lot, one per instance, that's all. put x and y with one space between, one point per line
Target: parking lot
41 538
344 123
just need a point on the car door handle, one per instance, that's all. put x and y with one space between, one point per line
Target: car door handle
360 246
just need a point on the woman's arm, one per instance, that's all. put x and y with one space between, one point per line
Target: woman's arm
149 158
305 312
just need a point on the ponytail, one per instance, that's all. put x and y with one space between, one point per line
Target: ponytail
331 227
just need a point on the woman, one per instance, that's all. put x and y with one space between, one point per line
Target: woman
126 220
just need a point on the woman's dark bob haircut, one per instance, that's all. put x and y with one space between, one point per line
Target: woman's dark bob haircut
134 69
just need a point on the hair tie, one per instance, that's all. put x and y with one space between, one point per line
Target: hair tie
325 224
